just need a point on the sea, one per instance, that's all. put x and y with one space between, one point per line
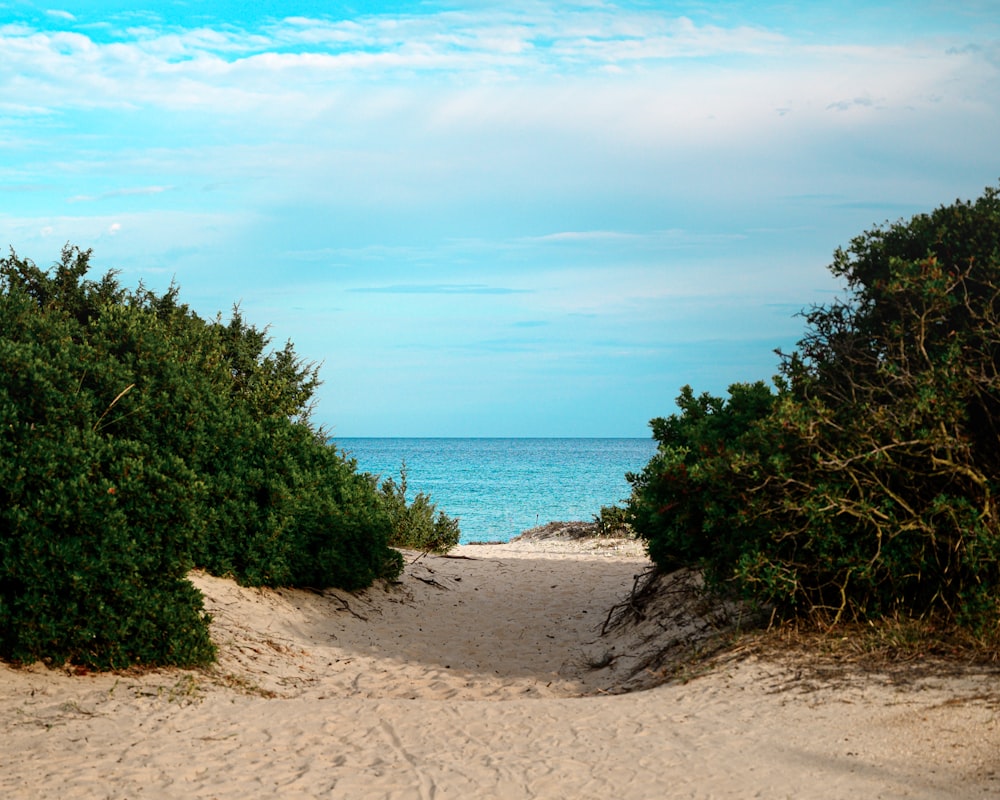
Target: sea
499 488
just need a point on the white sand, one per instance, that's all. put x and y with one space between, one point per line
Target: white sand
474 678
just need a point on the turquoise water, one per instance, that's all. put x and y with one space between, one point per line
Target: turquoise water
501 487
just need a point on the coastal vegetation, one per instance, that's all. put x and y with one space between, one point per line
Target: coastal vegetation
862 485
613 521
416 524
139 441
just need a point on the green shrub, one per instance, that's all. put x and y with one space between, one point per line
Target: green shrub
869 486
95 532
417 525
689 502
138 441
613 521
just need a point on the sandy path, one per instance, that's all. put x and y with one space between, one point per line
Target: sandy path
470 679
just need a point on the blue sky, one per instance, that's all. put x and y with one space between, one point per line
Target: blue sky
493 218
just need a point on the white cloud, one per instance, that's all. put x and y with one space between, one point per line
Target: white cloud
160 232
635 177
227 68
583 236
127 192
559 99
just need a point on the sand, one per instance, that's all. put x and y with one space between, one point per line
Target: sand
485 676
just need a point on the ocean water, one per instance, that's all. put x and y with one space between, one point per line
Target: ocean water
501 487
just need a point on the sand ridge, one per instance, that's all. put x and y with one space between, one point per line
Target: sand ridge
483 676
485 622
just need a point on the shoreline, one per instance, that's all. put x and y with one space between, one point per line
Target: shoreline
482 673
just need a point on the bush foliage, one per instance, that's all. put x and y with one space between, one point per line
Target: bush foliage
417 525
866 483
137 441
613 521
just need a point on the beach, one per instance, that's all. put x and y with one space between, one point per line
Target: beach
485 674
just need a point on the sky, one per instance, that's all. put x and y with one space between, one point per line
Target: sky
509 218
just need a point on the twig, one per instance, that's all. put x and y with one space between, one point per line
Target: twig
121 394
347 607
430 582
621 609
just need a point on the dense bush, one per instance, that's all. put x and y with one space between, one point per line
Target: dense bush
137 441
867 485
417 525
613 521
687 499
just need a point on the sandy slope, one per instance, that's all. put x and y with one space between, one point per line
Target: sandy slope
484 676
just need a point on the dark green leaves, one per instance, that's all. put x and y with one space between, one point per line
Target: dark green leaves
868 486
138 441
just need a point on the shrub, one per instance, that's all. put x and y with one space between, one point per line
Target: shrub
95 532
869 486
416 526
689 501
138 441
613 521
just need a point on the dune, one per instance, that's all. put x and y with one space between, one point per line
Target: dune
485 674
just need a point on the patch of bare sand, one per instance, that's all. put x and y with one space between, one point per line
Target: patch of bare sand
485 675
